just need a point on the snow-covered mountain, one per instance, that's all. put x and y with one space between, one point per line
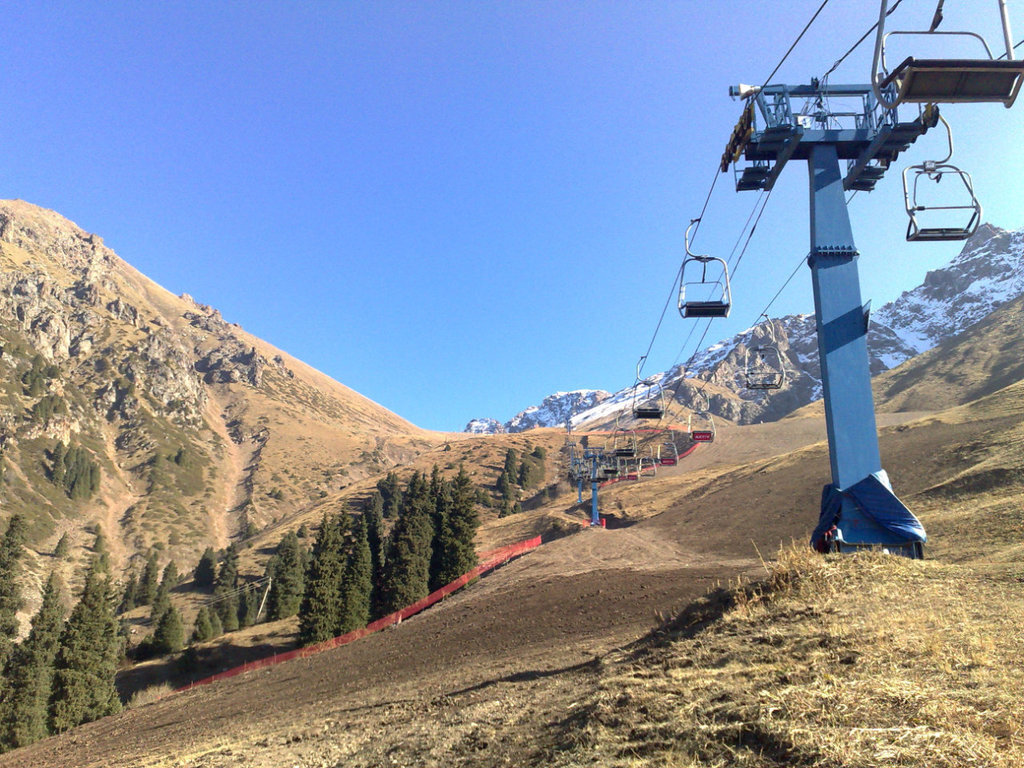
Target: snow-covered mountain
554 411
988 272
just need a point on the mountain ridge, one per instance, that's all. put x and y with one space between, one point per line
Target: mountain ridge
199 429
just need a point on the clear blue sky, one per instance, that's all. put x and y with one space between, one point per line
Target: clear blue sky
455 208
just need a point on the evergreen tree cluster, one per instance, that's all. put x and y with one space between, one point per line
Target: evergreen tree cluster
357 573
519 474
62 674
46 407
74 470
36 378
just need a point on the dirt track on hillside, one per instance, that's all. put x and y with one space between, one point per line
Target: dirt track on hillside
515 645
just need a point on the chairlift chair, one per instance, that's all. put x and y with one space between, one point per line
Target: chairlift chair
648 466
668 453
631 468
763 365
764 368
934 170
624 443
701 428
648 396
704 289
947 81
609 468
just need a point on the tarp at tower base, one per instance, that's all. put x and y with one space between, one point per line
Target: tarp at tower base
867 514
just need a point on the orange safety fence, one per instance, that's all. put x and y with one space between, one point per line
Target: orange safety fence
491 560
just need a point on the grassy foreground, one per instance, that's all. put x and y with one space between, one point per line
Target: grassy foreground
863 660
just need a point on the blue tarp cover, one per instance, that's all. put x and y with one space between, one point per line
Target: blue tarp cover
874 498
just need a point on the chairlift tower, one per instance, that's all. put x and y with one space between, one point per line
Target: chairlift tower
595 458
825 124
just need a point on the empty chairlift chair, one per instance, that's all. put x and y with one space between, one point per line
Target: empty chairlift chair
701 424
703 284
668 453
624 443
764 367
609 468
946 80
959 208
648 396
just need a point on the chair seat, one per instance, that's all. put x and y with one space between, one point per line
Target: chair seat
705 309
952 81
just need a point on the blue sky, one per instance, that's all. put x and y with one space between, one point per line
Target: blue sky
455 208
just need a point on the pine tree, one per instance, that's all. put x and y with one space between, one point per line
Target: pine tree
319 613
440 545
225 588
510 462
390 495
129 600
407 567
458 545
227 574
57 471
527 474
287 571
227 610
171 576
102 556
206 571
149 582
12 548
161 603
357 582
90 648
63 547
216 627
29 675
203 630
375 536
169 636
248 604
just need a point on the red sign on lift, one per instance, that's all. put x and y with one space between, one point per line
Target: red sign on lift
702 436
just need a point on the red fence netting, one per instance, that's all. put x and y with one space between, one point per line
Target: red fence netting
491 560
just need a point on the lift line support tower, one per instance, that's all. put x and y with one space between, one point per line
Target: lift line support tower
594 457
859 508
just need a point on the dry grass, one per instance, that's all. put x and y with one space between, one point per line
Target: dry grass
864 660
149 695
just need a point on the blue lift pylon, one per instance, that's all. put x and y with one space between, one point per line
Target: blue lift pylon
595 457
859 508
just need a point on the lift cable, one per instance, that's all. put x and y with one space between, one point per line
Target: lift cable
874 26
798 38
671 293
1018 45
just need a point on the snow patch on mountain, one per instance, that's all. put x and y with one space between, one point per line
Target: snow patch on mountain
554 411
484 427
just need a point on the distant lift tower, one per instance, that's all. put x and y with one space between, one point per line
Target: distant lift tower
824 124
